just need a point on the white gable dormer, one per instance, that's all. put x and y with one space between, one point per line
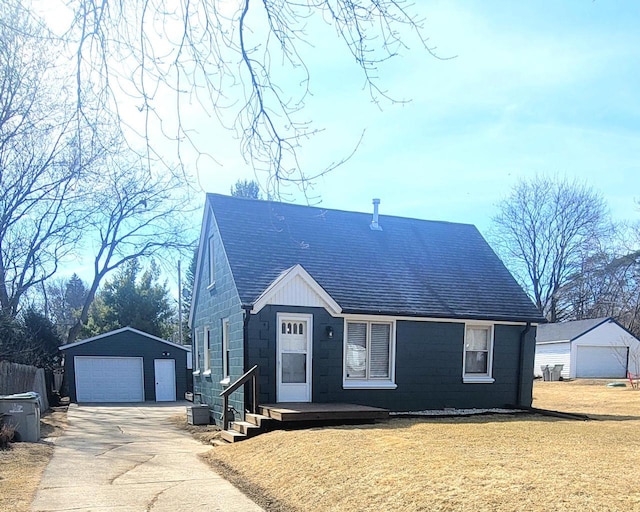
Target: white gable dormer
296 287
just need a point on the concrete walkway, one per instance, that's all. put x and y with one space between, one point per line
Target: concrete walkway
129 458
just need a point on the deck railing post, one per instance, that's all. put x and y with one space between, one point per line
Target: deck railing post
225 412
254 405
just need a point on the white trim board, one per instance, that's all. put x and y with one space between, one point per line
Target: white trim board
186 348
196 278
207 229
434 319
296 287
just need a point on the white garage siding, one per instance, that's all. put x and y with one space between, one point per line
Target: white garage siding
601 362
109 379
552 354
593 363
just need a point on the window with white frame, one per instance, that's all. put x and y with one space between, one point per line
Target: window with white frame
225 348
369 353
212 262
196 353
478 353
206 351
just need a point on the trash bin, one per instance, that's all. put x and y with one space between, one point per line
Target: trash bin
546 373
556 372
22 412
198 414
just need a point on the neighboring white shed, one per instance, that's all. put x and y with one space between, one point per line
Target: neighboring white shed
596 348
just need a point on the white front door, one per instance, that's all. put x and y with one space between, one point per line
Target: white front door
294 357
165 372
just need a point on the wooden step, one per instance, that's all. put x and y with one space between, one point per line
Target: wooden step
232 436
257 419
246 428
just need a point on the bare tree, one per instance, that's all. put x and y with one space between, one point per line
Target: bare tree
68 183
240 62
605 285
608 282
545 230
40 170
132 213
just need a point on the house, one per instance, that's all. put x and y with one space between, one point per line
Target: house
126 365
344 307
595 348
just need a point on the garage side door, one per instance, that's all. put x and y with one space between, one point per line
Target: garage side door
109 379
601 362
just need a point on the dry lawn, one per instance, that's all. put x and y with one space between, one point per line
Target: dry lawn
496 462
22 465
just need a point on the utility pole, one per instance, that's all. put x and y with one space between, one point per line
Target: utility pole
180 304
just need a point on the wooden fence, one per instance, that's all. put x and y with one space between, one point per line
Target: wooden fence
19 378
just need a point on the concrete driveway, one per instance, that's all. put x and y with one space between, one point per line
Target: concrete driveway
129 458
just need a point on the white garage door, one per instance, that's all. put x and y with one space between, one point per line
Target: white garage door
109 379
601 362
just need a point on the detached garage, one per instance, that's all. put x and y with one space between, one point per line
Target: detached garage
126 365
595 348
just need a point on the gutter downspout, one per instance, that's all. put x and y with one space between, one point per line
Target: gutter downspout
523 335
245 347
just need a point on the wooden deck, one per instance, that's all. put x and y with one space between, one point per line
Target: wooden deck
304 411
300 414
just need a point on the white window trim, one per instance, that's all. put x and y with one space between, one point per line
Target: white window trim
479 378
212 263
370 383
226 373
206 351
196 354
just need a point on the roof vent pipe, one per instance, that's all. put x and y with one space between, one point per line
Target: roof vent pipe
374 222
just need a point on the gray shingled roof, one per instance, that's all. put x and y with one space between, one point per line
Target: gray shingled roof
412 267
567 331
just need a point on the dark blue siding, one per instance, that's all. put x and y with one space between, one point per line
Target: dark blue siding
130 344
213 305
428 364
327 353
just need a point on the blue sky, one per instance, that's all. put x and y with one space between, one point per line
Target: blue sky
544 87
536 87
